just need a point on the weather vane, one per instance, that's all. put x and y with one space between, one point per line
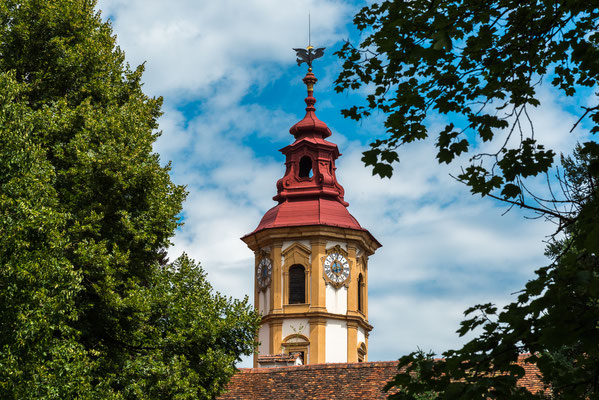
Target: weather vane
308 54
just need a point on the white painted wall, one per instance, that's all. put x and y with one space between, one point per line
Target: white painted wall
261 307
331 243
301 326
264 301
336 300
260 302
267 299
336 341
264 339
361 336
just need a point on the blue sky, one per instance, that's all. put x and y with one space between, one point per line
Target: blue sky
232 90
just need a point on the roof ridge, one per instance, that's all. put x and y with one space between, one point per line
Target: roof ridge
353 365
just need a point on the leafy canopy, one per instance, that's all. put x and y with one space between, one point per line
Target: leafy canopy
555 319
91 309
480 63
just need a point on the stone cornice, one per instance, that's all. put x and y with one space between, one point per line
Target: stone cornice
312 232
318 317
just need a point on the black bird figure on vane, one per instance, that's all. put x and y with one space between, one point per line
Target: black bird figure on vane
308 55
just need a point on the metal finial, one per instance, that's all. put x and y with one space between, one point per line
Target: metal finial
308 54
309 32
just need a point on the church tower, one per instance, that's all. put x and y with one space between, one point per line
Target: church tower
311 255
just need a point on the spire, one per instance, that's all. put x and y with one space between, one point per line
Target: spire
309 193
310 125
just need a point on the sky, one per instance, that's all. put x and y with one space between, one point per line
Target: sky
232 90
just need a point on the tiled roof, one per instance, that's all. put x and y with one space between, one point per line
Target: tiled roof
331 381
305 212
316 381
532 376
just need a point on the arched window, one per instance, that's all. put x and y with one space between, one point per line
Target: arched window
297 343
305 167
360 293
297 284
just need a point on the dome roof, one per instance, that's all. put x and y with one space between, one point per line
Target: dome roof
308 212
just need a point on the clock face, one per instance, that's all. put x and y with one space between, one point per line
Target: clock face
264 272
336 268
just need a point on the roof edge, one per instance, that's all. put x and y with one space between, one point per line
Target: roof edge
246 238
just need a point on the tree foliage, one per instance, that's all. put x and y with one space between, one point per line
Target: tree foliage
480 63
90 309
555 319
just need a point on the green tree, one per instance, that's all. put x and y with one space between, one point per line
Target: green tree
480 63
555 318
90 309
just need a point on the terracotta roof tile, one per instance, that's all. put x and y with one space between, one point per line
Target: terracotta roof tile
532 376
331 381
308 212
315 381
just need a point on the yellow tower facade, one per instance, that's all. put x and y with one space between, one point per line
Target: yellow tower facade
311 288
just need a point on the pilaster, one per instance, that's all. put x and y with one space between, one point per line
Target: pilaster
352 342
276 333
318 289
352 290
276 304
317 340
365 291
256 289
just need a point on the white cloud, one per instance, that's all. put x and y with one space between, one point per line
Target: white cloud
443 250
405 326
190 45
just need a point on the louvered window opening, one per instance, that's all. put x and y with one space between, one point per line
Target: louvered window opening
297 285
